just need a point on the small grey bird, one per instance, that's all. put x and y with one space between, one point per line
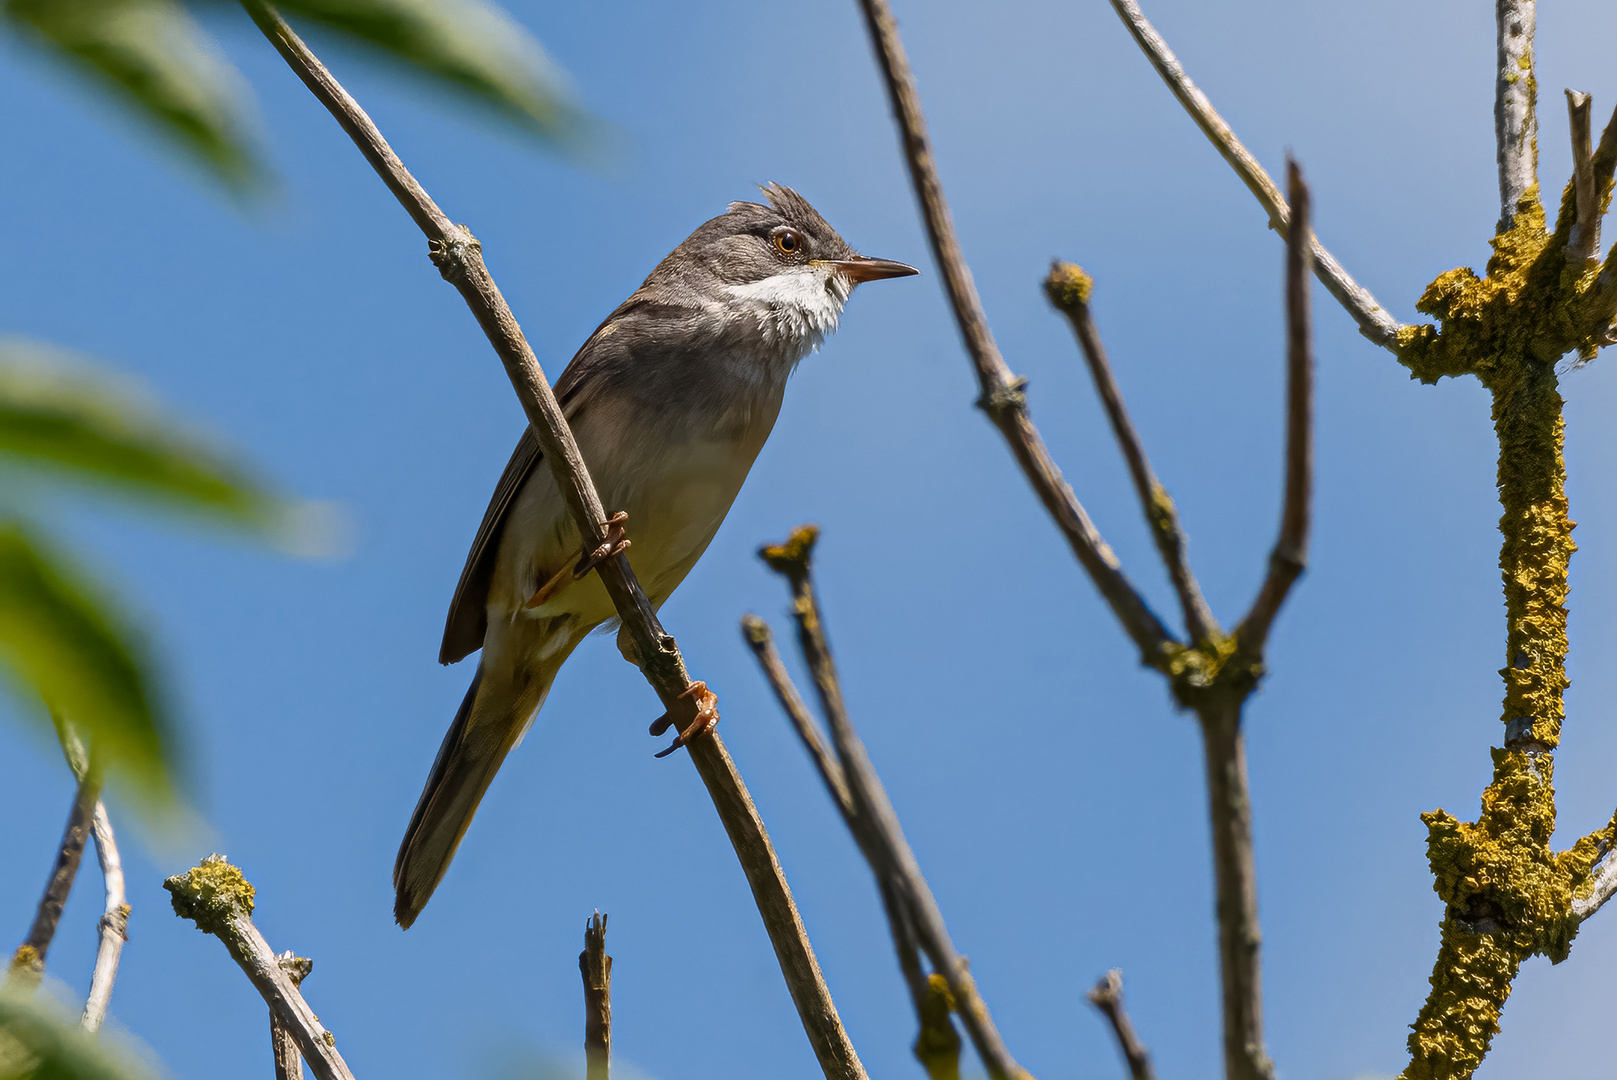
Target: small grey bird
670 400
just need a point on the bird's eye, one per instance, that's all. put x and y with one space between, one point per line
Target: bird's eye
788 242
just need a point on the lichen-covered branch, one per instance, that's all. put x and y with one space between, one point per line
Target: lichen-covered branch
1107 997
216 897
596 969
1003 395
689 707
875 823
1069 289
1290 555
1515 114
1507 894
1374 321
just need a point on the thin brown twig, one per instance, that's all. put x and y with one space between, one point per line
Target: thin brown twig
937 1043
1107 997
880 836
1583 245
30 955
288 1062
1003 394
689 706
1515 112
216 897
1290 555
761 641
1374 321
596 968
1069 289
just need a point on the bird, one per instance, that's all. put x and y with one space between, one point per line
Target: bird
670 400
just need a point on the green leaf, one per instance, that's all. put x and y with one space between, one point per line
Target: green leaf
471 45
57 411
36 1043
59 639
156 60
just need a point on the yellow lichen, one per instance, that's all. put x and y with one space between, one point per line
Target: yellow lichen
1507 893
1067 285
211 895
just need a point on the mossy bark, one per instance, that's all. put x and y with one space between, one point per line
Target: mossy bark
1507 894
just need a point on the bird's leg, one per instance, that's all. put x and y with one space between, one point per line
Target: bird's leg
707 718
615 542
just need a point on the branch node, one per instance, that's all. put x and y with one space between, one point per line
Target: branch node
1005 398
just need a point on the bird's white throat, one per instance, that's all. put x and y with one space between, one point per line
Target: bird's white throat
797 309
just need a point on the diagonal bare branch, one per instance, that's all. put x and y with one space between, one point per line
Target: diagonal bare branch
876 825
938 1044
288 1062
1290 553
1374 321
114 922
30 955
689 705
1515 108
762 643
1069 289
1003 394
1107 997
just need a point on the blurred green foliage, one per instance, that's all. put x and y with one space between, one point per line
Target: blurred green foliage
62 636
38 1042
152 57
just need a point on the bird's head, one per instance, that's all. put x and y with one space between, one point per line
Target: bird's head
781 264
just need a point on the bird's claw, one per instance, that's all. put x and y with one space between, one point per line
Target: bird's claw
615 543
707 718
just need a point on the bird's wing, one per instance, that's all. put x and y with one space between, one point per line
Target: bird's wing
468 611
594 362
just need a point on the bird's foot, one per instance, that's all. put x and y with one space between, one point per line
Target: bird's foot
707 718
615 543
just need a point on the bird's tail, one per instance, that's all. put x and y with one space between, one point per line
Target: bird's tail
491 720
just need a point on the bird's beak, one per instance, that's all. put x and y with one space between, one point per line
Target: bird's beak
860 268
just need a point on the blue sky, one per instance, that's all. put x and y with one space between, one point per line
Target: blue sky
1052 794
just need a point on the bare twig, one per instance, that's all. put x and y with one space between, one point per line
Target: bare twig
30 956
1515 115
762 642
216 897
877 829
596 968
1107 997
1290 554
1069 289
114 924
1374 321
1583 246
1235 874
937 1043
689 706
288 1062
1602 887
1003 396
